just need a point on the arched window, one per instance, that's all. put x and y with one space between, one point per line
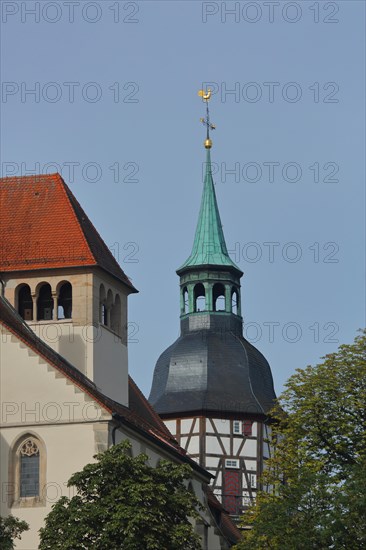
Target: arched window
108 308
45 303
199 297
104 315
185 300
218 295
27 472
234 301
102 306
64 310
116 315
29 469
25 303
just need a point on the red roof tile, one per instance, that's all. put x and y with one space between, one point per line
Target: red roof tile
43 226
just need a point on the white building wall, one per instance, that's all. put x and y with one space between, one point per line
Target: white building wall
68 448
249 447
186 424
37 400
172 426
110 365
94 349
222 425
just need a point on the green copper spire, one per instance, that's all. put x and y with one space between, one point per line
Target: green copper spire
209 247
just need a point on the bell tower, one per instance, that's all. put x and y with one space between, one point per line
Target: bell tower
62 279
209 279
213 388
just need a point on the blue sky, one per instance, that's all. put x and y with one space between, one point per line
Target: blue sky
116 99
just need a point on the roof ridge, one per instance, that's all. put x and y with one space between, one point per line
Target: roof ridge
64 186
43 217
30 176
68 193
151 409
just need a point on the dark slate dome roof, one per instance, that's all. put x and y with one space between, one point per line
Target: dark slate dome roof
212 370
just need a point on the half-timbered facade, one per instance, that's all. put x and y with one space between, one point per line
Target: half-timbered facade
232 450
212 388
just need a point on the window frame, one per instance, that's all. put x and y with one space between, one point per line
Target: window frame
237 424
15 500
231 466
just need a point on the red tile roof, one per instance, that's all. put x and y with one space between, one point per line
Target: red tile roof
43 226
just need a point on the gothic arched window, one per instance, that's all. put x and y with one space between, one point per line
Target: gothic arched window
25 303
27 472
199 297
29 469
65 301
45 303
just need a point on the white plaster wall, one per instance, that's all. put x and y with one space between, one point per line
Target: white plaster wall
32 391
222 425
172 426
186 424
236 445
37 399
212 462
110 365
251 465
213 446
249 447
73 342
194 445
95 350
68 449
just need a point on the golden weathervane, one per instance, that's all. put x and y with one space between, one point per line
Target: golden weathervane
206 96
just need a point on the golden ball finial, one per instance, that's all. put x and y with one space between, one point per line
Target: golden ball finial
208 143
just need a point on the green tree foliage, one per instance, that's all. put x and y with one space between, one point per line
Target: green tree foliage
317 474
11 528
122 502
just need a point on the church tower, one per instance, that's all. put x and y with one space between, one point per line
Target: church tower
212 388
62 279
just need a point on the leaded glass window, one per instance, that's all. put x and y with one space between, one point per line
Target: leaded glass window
29 469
